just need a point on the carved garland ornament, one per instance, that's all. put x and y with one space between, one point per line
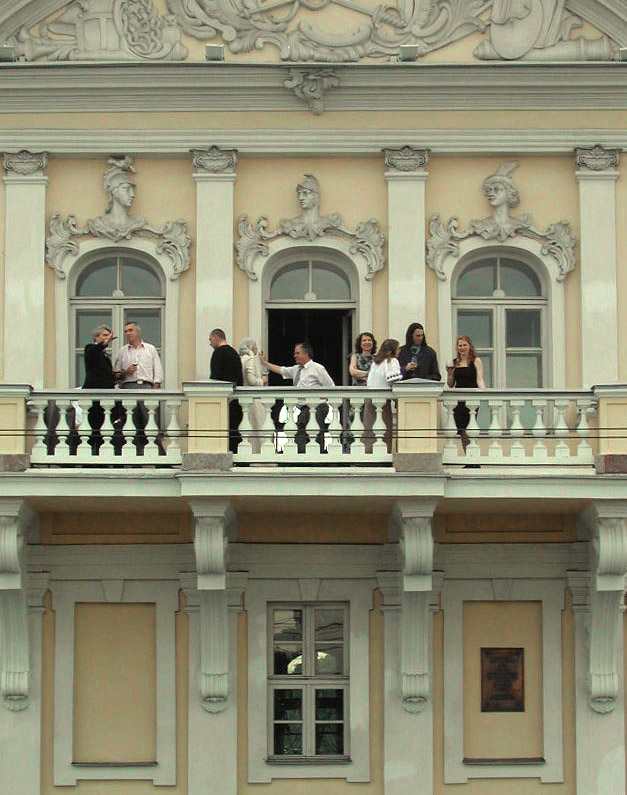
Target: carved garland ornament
366 239
117 224
502 194
310 85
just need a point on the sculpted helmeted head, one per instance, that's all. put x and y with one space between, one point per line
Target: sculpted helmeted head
308 192
499 187
118 182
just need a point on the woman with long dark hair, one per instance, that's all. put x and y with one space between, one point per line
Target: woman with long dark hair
416 358
465 372
362 358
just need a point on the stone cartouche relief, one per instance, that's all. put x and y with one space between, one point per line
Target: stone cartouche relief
538 31
103 30
405 159
25 163
596 158
502 195
117 224
214 160
310 226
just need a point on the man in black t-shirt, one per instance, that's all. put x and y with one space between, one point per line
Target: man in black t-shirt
227 366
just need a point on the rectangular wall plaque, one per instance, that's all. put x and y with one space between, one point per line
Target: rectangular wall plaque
502 680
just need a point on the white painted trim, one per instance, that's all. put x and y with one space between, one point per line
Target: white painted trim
358 594
530 251
285 249
62 290
551 594
165 596
305 141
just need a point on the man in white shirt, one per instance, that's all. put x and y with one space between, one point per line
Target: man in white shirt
305 374
138 366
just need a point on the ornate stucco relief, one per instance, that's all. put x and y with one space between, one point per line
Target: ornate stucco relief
538 31
104 30
406 158
596 158
214 160
117 224
25 163
502 194
365 241
311 85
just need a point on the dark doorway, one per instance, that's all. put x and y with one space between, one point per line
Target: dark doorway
327 330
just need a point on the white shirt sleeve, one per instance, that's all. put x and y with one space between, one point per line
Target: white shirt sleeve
393 372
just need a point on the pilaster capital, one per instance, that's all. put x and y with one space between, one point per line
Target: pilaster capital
596 158
25 163
214 160
406 159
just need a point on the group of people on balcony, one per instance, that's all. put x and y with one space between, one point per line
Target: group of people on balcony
138 366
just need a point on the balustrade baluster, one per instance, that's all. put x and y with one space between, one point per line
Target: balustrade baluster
293 410
67 433
269 444
173 431
39 451
584 448
562 450
539 431
106 452
360 434
151 450
245 448
495 431
473 450
450 451
380 447
517 450
333 437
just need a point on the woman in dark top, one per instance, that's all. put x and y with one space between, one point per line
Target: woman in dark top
98 367
362 359
466 372
416 358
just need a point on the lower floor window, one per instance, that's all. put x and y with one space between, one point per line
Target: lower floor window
309 681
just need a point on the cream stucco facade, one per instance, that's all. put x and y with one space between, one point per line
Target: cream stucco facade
379 609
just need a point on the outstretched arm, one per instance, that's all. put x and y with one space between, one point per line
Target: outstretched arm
275 368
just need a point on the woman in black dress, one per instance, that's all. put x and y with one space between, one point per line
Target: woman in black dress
416 358
99 375
466 372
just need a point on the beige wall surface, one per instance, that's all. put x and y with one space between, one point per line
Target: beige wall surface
351 186
47 718
165 192
317 786
2 247
319 528
454 188
206 121
509 786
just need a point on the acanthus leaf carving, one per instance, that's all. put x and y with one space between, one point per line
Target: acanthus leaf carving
365 240
556 241
113 30
117 224
245 26
311 85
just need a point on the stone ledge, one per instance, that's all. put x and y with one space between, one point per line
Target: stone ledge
206 462
426 463
18 462
611 464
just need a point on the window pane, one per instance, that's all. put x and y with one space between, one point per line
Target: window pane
291 282
80 370
288 659
329 705
288 624
477 326
288 704
329 659
519 279
86 321
524 370
139 279
523 328
329 738
99 278
488 375
330 282
288 739
478 279
329 625
150 324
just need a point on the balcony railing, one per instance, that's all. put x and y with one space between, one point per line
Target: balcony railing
338 426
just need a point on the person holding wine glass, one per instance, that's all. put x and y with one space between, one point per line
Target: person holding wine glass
464 372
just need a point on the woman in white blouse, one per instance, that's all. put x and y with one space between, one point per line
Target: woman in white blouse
251 370
384 372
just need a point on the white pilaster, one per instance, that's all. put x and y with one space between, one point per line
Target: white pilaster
406 181
600 697
24 267
408 710
214 180
598 256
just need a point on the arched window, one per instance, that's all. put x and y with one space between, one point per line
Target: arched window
500 302
310 280
111 290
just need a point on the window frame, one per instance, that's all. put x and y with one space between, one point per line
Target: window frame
309 682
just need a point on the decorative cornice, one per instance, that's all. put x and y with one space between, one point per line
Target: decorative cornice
214 160
25 163
305 141
596 158
406 158
224 87
311 85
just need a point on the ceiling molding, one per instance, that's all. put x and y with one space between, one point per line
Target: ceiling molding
219 87
307 142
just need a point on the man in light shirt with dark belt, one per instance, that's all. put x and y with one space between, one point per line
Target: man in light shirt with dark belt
138 366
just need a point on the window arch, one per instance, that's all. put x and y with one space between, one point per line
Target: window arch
112 288
310 279
500 301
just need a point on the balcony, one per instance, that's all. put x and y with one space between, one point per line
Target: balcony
407 428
